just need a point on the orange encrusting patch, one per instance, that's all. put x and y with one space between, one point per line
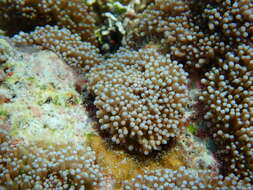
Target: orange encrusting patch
123 166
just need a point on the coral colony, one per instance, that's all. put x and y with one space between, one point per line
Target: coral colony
126 94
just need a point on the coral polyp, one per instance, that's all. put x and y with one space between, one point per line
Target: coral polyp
141 97
79 54
73 15
184 178
47 166
229 96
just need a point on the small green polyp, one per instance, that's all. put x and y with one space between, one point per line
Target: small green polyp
192 129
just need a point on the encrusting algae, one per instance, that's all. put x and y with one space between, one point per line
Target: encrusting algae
124 166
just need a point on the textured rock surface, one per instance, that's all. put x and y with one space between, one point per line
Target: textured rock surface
42 99
43 126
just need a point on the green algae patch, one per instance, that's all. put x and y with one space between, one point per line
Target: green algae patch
4 114
192 129
5 45
118 8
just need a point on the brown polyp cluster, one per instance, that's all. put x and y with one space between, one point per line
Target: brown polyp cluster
195 33
228 95
141 97
164 21
184 178
26 14
3 57
78 54
232 18
170 23
40 166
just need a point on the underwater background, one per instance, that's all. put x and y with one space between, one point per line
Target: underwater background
126 94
